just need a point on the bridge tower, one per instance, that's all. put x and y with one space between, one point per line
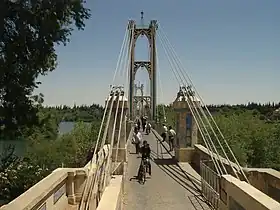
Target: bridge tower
136 102
186 127
150 32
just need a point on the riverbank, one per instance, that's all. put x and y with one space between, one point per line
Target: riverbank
20 144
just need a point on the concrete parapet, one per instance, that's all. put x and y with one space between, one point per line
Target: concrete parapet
55 191
236 194
62 187
266 180
202 154
112 196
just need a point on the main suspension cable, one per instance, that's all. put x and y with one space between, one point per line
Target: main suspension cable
191 109
173 52
212 145
112 140
160 85
126 69
200 108
120 55
91 180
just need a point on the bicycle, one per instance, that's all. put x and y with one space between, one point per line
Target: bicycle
143 171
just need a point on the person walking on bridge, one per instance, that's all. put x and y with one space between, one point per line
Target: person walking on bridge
148 128
144 122
164 132
172 135
137 139
138 124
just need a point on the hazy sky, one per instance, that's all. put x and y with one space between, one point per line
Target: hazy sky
230 49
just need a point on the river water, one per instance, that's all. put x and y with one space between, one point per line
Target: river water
64 127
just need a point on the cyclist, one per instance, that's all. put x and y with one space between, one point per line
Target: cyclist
146 153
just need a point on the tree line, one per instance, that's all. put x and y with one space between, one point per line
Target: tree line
252 130
85 113
268 111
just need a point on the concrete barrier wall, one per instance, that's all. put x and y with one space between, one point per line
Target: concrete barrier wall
112 196
201 154
61 189
265 179
49 193
236 194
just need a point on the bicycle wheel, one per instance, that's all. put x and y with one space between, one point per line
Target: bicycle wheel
144 176
141 175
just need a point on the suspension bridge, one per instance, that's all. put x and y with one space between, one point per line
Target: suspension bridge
201 172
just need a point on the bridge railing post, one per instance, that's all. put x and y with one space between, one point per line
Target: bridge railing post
70 188
79 183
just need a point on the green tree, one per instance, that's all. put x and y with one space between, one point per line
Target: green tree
28 38
254 142
43 156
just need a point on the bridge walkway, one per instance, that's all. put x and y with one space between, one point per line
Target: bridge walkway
169 187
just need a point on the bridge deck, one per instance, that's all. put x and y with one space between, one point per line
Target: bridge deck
169 187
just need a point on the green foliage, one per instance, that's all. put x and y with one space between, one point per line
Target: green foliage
18 177
46 150
252 131
268 112
42 157
254 142
239 130
77 113
166 115
30 33
69 149
46 128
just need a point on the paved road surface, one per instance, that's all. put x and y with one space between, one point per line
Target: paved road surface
169 187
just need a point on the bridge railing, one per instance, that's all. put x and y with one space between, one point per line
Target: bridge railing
266 180
62 189
96 178
210 184
56 191
115 186
236 194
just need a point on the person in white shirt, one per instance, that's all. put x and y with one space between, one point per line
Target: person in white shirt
172 135
164 133
148 128
137 139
